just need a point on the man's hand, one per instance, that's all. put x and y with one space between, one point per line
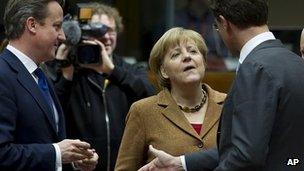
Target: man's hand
74 150
88 164
162 162
62 52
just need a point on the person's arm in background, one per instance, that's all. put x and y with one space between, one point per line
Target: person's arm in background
62 54
133 148
63 83
132 79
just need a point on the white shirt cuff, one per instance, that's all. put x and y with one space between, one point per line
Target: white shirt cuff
183 160
58 166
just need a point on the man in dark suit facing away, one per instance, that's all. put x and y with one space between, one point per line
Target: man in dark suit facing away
32 128
302 43
263 115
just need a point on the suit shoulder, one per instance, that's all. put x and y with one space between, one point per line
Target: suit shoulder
275 62
271 54
4 66
142 107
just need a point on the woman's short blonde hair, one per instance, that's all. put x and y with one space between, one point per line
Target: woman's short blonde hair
172 38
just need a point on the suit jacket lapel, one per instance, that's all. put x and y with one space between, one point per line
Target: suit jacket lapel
27 81
213 111
173 113
61 122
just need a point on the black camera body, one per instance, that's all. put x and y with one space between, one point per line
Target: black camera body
88 54
79 29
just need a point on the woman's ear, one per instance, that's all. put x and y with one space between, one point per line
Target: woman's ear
163 72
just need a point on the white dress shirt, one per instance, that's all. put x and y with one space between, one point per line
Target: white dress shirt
253 43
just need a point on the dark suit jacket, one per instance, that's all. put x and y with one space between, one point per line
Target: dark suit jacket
27 127
263 116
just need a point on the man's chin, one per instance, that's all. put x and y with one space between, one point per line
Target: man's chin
50 57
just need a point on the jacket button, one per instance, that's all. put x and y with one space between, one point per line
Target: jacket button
200 145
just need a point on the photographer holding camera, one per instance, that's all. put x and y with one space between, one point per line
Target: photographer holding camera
96 96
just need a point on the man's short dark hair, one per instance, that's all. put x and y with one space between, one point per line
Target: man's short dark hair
18 11
242 13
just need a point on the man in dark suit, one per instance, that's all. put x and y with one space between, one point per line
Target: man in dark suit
302 43
263 115
32 128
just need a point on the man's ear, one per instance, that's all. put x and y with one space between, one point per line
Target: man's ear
163 72
223 22
228 26
31 24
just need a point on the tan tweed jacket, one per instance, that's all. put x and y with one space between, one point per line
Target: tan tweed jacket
157 120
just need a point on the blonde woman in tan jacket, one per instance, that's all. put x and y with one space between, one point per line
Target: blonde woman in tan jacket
184 116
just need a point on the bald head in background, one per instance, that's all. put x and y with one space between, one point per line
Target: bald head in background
302 44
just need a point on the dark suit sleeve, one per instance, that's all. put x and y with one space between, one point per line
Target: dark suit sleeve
255 101
133 80
14 156
205 160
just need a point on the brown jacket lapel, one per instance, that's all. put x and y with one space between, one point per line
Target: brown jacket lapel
174 114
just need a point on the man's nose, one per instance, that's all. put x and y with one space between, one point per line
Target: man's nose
107 35
61 36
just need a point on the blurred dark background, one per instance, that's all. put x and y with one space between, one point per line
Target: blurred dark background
145 21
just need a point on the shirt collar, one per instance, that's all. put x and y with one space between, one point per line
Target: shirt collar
254 42
29 64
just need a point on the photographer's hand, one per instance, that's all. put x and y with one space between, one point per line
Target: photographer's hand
62 54
107 63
